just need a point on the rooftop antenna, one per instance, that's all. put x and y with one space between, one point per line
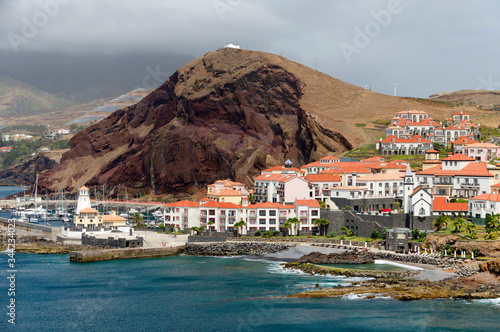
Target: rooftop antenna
395 85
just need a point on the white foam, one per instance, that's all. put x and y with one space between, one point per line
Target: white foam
494 302
381 261
352 296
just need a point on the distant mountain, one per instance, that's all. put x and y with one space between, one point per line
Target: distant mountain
228 114
483 98
19 99
84 78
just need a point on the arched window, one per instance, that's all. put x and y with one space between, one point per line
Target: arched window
421 212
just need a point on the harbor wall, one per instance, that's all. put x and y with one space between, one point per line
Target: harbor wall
112 254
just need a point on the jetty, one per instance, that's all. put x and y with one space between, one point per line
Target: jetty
86 256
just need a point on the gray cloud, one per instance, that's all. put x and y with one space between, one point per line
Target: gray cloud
426 45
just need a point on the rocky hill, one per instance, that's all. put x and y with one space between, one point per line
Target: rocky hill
482 98
228 114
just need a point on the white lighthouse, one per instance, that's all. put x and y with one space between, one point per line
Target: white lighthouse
83 199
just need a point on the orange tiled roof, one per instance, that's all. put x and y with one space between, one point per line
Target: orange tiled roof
373 159
88 210
324 178
282 168
83 188
221 205
488 197
226 192
267 205
440 204
464 140
184 204
309 202
458 157
471 169
482 145
331 171
432 151
351 167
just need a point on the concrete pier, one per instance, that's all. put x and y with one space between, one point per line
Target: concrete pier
125 253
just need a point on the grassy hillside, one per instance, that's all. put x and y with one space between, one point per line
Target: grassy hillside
18 99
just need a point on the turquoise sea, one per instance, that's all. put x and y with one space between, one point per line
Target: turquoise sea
8 190
210 294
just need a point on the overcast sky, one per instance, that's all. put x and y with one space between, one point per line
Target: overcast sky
427 45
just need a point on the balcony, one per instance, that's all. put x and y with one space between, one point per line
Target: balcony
465 184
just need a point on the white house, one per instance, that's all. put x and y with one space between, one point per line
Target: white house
481 151
280 188
482 204
456 176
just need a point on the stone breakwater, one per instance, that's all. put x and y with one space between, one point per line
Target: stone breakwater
234 248
437 261
344 243
334 258
314 269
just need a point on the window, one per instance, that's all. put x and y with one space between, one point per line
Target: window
272 221
314 213
212 220
421 211
252 213
282 213
252 221
262 221
272 213
211 212
262 213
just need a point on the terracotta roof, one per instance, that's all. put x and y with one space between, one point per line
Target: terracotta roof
226 192
471 169
381 177
458 157
282 168
221 205
416 190
464 140
482 145
112 217
351 167
329 158
331 171
324 178
349 188
458 113
488 197
440 204
267 205
184 204
277 177
309 202
373 159
88 210
432 151
83 188
497 185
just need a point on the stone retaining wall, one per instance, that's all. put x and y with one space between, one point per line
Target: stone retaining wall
111 242
346 243
234 248
42 228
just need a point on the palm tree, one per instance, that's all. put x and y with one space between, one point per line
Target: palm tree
458 223
198 230
441 222
137 219
344 230
322 223
470 227
294 221
287 225
210 223
240 224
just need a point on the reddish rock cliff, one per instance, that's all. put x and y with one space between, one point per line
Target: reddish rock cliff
228 114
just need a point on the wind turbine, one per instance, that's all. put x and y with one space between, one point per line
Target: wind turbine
395 85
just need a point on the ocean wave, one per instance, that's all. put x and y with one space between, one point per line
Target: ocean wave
494 302
352 296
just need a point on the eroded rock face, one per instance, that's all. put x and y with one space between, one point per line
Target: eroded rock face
222 116
25 174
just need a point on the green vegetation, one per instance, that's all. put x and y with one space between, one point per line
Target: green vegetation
418 235
24 150
138 220
360 125
487 132
32 129
323 225
239 225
